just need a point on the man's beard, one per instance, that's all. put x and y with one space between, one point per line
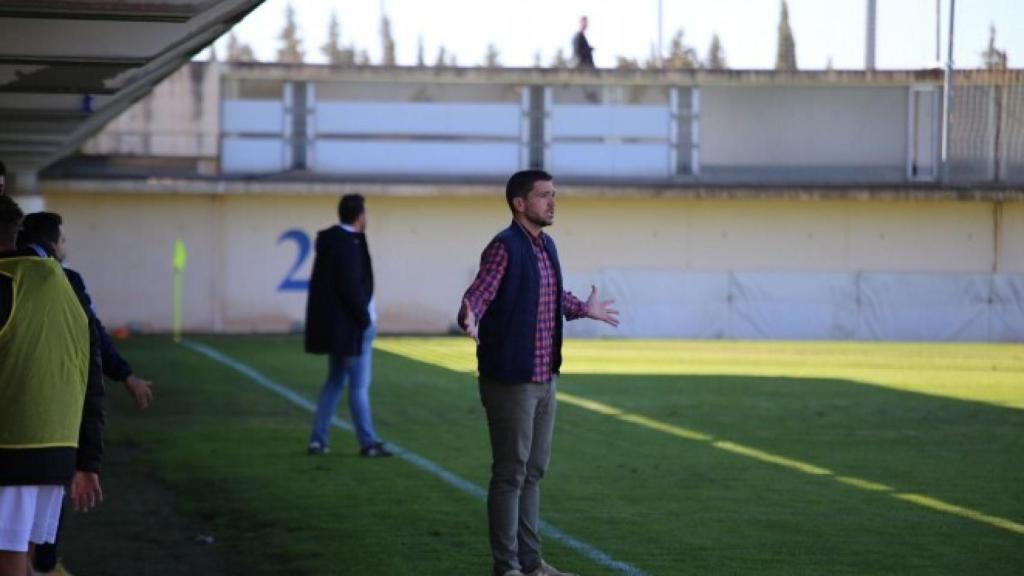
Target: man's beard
538 221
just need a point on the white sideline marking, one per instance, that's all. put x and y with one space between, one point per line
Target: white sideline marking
591 553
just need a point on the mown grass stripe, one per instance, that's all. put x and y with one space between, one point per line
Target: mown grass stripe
586 550
772 458
588 404
939 505
804 467
864 484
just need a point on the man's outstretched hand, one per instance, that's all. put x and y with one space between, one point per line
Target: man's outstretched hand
601 309
470 325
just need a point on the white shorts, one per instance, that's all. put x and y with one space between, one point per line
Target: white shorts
28 514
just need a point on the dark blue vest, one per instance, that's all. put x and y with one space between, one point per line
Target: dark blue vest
509 325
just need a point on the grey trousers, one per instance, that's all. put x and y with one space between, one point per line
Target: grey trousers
521 419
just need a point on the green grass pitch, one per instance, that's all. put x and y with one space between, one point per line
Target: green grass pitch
675 457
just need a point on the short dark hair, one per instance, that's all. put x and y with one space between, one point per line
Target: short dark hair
41 228
520 184
10 219
351 207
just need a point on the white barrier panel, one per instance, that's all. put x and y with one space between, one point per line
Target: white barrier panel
252 155
656 303
610 121
926 307
419 119
793 307
614 160
417 158
1006 312
252 117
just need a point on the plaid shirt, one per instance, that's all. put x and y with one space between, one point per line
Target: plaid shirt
483 289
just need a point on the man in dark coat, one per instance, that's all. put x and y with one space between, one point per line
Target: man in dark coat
340 322
582 51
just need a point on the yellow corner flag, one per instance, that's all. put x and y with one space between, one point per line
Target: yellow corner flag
180 260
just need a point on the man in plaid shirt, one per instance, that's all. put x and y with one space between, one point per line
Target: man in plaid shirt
514 309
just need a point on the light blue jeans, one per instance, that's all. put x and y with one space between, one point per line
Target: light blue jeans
355 369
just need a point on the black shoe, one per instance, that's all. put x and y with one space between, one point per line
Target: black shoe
375 450
316 449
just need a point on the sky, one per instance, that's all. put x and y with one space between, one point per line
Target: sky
520 29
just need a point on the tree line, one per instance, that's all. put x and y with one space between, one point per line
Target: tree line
680 55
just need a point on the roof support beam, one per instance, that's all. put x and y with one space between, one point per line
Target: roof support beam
164 12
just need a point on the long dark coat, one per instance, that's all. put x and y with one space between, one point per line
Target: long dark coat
340 289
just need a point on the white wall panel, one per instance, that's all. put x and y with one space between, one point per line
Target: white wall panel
417 158
610 121
418 118
252 117
609 160
252 155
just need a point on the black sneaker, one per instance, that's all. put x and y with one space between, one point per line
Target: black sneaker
375 450
316 449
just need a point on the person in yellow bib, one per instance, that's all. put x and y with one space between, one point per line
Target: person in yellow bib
51 398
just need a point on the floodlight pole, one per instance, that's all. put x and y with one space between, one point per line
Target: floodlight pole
869 36
947 96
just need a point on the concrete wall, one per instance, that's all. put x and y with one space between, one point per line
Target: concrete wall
246 263
123 246
179 118
810 128
816 133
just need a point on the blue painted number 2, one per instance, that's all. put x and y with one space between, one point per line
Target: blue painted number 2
290 282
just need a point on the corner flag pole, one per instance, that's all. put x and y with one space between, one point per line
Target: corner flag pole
179 262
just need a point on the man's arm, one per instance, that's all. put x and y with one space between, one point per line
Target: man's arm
115 366
118 369
573 308
481 292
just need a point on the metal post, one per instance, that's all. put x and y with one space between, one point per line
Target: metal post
947 96
938 31
661 53
869 40
695 132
